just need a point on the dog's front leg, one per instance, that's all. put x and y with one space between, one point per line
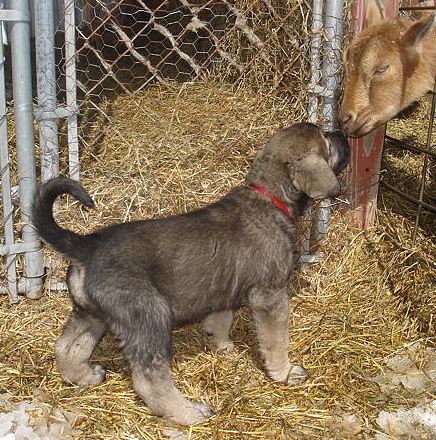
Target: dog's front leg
271 318
154 384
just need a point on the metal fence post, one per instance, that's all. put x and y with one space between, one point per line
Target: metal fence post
23 110
71 89
324 86
332 60
8 208
46 84
314 88
331 69
314 92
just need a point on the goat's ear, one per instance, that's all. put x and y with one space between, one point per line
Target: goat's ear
375 12
416 33
313 176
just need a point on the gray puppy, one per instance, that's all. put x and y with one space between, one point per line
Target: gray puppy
139 280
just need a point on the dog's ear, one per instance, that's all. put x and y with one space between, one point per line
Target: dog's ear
313 176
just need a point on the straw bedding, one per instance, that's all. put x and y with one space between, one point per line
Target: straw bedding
411 271
175 152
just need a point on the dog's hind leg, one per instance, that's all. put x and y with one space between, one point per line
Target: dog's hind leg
144 326
75 346
81 335
217 328
271 318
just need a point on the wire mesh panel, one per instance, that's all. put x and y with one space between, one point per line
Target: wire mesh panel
161 105
122 48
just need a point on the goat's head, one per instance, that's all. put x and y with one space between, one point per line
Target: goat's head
387 66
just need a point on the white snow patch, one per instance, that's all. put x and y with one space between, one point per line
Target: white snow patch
35 421
415 374
406 372
416 423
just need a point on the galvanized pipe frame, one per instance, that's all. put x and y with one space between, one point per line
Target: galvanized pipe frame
46 88
48 112
8 208
71 89
17 15
324 88
331 70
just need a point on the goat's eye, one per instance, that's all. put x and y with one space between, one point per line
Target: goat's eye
381 69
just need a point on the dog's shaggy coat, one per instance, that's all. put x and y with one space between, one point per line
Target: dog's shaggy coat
139 280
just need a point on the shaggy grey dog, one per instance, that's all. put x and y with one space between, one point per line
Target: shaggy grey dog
139 280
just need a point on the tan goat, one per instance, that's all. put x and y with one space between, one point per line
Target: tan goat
388 66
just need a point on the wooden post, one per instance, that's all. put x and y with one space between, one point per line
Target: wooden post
366 151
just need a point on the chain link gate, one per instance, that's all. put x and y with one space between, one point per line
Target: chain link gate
88 53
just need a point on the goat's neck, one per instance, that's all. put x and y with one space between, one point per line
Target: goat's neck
422 77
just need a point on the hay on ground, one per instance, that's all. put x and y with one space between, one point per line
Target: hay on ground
346 318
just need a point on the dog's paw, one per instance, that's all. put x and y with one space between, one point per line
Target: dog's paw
296 376
194 412
220 346
95 375
225 347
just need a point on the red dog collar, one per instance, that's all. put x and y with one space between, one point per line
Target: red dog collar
275 200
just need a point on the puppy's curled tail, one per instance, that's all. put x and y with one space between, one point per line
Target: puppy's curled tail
73 246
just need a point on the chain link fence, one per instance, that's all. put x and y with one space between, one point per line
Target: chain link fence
124 47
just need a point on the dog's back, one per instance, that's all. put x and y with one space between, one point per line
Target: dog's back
201 261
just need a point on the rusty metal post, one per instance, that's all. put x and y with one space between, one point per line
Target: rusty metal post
364 171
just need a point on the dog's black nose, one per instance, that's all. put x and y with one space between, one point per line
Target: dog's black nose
339 135
339 141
